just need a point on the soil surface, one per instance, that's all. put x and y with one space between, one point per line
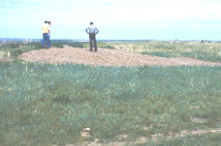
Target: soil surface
106 57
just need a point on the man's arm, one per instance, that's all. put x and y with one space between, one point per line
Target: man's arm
97 31
87 31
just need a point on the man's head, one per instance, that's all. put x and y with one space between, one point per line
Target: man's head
91 23
46 21
49 22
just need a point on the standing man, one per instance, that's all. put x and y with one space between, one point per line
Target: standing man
92 31
46 32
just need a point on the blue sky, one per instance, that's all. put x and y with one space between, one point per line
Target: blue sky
116 19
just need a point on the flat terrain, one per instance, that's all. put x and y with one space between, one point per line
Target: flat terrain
127 93
105 57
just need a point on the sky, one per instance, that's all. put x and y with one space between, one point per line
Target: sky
115 19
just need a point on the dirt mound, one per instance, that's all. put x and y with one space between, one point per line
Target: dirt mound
105 57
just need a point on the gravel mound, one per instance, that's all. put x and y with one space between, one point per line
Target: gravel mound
106 57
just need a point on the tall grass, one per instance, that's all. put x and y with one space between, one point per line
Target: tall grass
51 104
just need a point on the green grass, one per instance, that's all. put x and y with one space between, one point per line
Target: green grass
17 48
46 104
197 50
43 104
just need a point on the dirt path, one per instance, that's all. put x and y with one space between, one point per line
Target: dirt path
105 57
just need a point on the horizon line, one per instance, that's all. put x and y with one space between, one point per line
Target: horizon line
36 39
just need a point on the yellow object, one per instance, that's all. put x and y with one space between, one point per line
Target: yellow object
45 28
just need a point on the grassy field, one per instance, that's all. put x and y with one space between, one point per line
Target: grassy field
44 104
208 51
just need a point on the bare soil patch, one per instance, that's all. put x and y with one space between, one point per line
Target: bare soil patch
143 140
155 137
106 57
